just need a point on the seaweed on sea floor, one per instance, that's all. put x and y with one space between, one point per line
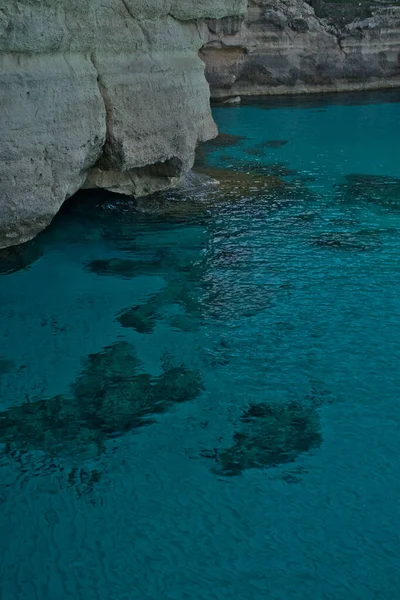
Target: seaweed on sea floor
110 396
378 189
270 435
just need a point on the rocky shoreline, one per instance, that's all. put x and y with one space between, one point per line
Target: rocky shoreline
112 94
281 47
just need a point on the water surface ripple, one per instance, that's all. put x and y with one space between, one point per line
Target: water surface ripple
199 394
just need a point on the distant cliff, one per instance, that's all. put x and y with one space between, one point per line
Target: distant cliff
281 47
98 93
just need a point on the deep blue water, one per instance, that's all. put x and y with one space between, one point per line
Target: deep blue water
203 402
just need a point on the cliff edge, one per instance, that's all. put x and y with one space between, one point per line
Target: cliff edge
281 47
98 93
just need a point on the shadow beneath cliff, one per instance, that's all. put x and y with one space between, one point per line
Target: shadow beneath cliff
19 258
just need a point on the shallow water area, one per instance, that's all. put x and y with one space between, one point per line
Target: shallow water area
200 399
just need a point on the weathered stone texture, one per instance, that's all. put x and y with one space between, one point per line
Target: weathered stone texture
282 47
107 93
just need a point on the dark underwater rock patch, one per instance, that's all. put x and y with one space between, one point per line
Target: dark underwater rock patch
222 141
226 140
257 167
359 241
118 267
6 365
270 435
110 396
255 152
181 292
273 144
142 317
370 188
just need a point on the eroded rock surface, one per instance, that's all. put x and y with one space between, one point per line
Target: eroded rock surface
103 93
282 47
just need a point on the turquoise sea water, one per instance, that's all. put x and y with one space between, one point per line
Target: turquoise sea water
205 404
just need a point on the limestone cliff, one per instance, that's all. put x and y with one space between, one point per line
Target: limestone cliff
107 93
281 47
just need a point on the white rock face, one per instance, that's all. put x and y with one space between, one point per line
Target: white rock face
281 47
98 93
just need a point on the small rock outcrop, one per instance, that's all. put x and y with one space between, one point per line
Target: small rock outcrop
94 93
281 47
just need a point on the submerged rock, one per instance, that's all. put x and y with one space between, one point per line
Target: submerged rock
255 152
127 268
182 292
6 365
252 180
370 188
217 187
109 397
360 241
273 144
225 140
270 435
235 100
142 317
235 184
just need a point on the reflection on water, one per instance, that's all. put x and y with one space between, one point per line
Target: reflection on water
199 390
